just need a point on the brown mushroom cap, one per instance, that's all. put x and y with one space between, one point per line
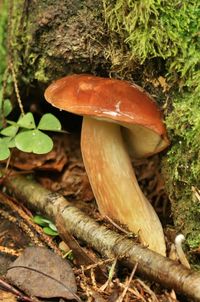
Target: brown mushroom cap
107 104
111 100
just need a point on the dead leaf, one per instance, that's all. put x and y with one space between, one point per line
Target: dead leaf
163 84
160 81
97 297
41 273
72 182
55 160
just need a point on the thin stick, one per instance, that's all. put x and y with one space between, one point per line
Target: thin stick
120 299
16 87
9 251
13 290
129 234
148 290
135 291
107 242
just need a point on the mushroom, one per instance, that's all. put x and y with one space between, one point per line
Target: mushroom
180 238
118 118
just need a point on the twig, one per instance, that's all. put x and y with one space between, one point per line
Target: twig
16 87
196 193
89 292
17 293
107 242
129 234
148 290
9 251
10 56
120 299
92 266
135 291
110 276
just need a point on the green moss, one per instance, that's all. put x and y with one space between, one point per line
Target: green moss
182 166
3 29
184 123
40 74
18 37
159 28
169 30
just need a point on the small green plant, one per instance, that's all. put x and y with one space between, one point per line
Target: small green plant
69 255
48 227
24 134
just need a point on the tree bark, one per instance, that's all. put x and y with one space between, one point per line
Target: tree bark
55 38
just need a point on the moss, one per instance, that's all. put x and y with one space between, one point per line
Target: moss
54 38
169 30
159 28
182 166
3 27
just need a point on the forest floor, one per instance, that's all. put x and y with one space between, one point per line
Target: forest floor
62 171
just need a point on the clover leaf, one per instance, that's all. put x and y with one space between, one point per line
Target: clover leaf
27 121
34 141
5 152
49 122
10 131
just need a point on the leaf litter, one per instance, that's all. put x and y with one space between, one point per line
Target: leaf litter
41 273
68 177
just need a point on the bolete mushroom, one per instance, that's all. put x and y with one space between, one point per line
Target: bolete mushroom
117 116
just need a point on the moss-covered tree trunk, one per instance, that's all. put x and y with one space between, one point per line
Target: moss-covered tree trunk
145 41
55 38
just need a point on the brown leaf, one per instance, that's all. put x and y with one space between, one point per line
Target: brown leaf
55 160
97 297
41 273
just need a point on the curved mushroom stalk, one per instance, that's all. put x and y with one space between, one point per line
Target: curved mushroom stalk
114 184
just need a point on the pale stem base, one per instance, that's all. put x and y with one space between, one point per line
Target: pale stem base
114 183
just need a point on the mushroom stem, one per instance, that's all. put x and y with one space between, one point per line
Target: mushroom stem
180 238
114 183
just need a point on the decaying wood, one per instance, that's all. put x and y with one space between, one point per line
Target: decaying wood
152 265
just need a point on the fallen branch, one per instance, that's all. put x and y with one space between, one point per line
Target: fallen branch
109 243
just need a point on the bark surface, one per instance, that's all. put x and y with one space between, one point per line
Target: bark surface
55 38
